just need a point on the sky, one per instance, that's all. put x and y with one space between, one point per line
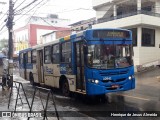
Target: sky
74 10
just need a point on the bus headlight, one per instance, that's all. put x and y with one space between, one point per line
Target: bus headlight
129 77
96 81
93 81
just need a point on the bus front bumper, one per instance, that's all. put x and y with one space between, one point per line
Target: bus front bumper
96 89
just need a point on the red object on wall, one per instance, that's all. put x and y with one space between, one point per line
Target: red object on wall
32 31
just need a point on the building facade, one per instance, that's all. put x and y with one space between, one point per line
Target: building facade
82 25
54 35
140 16
50 19
30 35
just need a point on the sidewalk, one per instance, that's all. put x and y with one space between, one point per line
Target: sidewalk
37 106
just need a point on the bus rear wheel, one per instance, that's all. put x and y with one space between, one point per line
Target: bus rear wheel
65 89
31 78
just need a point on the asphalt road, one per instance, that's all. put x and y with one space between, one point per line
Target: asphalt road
145 98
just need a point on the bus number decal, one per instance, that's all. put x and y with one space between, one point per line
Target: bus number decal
63 69
48 70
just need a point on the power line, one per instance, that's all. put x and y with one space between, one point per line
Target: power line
46 22
2 18
56 12
26 6
2 27
15 1
4 15
3 31
20 4
30 10
37 9
52 25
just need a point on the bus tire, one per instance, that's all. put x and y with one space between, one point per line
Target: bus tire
65 88
31 78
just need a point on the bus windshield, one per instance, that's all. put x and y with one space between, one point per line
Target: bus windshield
105 56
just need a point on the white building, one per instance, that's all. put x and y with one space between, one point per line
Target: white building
51 20
82 25
50 36
142 17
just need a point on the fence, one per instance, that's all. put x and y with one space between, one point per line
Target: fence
36 88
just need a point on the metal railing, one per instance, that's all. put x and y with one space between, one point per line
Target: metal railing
30 105
101 20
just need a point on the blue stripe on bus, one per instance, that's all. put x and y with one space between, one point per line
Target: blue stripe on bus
28 66
26 50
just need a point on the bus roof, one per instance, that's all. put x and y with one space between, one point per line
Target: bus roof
25 50
79 34
46 44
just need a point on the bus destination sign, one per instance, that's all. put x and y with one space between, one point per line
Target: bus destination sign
110 34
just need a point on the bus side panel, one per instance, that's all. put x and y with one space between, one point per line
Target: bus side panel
21 65
48 75
27 74
21 71
56 74
35 73
72 82
52 76
29 68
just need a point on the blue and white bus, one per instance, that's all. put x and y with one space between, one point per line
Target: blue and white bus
92 62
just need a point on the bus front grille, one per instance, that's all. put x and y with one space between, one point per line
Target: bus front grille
120 80
113 73
113 81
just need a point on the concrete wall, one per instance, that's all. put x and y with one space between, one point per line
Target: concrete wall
99 2
130 21
104 11
150 54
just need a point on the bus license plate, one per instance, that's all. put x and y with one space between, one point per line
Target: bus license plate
115 86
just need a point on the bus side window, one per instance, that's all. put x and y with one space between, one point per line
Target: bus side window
47 54
55 54
66 56
66 52
1 62
29 57
33 56
21 58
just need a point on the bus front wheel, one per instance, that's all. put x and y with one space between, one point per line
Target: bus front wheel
65 88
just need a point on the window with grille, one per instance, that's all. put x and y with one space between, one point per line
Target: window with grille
148 37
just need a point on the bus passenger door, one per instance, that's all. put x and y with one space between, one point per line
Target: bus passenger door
40 66
79 58
25 65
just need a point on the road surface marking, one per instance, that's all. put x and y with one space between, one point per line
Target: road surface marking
134 97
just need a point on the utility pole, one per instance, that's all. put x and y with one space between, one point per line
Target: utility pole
10 30
9 25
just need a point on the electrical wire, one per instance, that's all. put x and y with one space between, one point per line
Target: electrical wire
29 10
15 2
20 4
2 27
26 6
4 31
37 9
